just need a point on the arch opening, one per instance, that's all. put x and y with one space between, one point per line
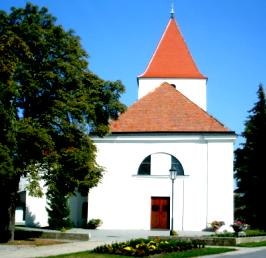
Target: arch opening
159 164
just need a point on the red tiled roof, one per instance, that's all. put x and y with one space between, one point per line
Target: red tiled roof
172 58
165 110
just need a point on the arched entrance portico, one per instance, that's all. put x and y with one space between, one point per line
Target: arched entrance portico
159 164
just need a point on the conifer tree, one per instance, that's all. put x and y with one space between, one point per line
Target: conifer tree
250 167
50 104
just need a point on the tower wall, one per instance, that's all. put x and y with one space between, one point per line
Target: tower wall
194 89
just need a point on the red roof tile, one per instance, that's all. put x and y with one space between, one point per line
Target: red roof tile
165 110
172 58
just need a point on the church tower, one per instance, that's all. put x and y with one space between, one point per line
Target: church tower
172 62
167 125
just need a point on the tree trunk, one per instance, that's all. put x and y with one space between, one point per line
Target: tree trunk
8 195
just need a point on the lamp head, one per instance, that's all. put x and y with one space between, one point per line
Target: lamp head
173 172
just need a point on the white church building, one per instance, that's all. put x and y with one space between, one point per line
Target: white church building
167 128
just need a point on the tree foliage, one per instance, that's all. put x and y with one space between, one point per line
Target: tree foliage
250 169
50 104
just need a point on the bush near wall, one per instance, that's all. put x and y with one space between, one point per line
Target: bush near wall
248 233
94 223
144 247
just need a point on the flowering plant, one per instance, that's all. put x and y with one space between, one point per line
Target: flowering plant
239 226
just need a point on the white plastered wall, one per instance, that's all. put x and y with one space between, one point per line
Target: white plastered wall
221 180
194 89
123 199
36 214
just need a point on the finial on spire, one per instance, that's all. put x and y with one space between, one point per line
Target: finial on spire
172 13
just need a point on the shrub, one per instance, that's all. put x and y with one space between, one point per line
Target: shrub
255 232
58 209
248 233
239 226
224 234
173 233
94 223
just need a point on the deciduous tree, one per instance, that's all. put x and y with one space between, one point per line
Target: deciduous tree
50 104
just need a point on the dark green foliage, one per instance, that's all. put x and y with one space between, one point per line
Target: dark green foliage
250 167
255 232
50 104
145 247
94 223
58 208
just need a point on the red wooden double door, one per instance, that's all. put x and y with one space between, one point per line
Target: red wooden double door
160 212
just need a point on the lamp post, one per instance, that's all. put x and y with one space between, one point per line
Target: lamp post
173 175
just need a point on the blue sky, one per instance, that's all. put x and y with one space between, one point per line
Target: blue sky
227 39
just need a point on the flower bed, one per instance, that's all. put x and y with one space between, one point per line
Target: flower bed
145 247
239 226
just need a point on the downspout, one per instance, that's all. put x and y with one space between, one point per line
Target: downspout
207 182
183 208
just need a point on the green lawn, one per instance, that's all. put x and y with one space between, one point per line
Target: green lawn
190 253
253 244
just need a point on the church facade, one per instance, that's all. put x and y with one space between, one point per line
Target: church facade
167 128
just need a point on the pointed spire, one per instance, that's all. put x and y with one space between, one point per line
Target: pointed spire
172 58
172 12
